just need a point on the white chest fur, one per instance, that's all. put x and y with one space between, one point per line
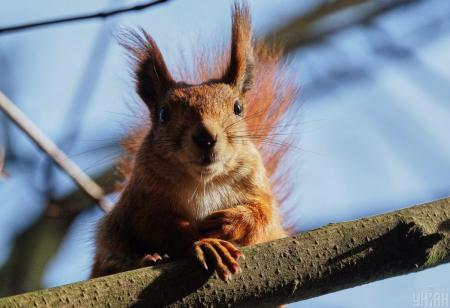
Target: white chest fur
206 199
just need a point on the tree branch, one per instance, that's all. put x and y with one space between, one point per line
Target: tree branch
3 173
49 147
81 17
316 25
310 264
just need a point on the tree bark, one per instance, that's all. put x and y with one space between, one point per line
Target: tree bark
328 259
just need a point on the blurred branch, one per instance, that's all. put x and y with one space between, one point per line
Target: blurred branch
346 71
384 45
81 17
32 250
82 97
324 260
34 247
319 23
6 84
3 173
44 143
77 201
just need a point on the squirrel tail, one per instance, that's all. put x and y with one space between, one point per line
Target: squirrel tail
272 101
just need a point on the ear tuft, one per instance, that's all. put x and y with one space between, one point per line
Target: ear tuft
240 69
153 79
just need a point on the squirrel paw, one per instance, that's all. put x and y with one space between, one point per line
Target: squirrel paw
152 259
226 224
219 255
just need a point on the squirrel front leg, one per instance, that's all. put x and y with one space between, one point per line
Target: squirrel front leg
244 225
173 235
182 239
212 253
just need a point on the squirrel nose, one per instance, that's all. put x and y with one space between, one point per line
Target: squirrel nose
203 138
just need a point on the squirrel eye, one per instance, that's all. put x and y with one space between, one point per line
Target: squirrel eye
238 108
163 114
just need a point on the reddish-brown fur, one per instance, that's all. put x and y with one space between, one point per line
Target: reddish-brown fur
180 197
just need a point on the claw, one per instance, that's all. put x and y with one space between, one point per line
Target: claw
227 277
151 259
201 257
157 257
218 255
236 269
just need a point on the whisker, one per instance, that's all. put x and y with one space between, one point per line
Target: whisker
109 159
90 151
269 134
245 117
268 141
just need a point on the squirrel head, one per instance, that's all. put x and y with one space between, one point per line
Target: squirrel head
199 129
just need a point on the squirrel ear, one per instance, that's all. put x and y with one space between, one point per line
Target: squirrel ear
240 70
153 79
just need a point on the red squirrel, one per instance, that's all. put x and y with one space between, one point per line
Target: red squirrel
200 182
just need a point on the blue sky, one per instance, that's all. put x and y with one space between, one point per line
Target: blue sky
372 142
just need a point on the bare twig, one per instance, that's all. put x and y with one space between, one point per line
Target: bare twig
81 17
49 147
